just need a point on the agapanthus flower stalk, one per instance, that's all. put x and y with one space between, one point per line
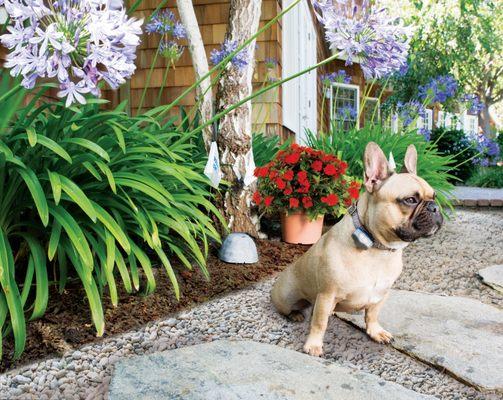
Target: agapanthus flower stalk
364 34
78 42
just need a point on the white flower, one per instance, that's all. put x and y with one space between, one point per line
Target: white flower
73 91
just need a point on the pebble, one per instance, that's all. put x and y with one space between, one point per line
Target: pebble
442 264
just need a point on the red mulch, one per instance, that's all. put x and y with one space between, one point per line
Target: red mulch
68 314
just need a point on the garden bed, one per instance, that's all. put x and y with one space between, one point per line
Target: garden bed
67 322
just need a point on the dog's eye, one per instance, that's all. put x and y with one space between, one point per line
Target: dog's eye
410 200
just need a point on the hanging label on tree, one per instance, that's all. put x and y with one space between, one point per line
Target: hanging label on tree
249 168
212 169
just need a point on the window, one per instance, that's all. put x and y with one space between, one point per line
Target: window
427 121
344 105
371 111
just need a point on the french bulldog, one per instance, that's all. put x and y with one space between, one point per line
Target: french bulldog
341 272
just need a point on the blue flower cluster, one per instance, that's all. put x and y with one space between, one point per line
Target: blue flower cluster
489 150
369 35
474 105
164 22
410 111
240 60
335 77
346 113
439 89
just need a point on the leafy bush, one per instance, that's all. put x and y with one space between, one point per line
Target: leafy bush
434 167
95 194
491 177
265 147
454 143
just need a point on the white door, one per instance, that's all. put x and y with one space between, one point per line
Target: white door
299 53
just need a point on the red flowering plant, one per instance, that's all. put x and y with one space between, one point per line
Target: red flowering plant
301 179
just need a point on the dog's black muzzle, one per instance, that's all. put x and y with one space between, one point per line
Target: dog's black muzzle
425 222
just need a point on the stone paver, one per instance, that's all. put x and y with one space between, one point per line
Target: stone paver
474 196
493 276
445 264
459 334
246 370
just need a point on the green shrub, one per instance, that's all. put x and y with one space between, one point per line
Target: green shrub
96 194
491 177
349 146
266 147
455 143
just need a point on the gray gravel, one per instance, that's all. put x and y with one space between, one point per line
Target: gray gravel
446 264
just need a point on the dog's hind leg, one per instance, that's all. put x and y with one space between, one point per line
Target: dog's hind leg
286 297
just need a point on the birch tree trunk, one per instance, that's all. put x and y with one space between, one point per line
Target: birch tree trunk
234 133
200 63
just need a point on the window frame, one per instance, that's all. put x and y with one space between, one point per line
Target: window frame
333 87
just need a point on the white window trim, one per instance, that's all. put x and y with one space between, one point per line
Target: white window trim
346 86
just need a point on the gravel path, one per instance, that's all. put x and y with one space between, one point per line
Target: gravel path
446 264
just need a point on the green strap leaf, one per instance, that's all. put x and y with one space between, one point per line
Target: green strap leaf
37 193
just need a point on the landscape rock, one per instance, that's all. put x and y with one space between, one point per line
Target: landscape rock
459 334
215 371
238 248
493 276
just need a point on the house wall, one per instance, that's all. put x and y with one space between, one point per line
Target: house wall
212 16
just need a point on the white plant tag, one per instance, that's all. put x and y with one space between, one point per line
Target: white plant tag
212 169
391 162
249 168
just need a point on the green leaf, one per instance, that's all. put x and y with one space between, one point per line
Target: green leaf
56 186
37 193
12 295
32 136
54 147
42 287
54 240
90 146
78 196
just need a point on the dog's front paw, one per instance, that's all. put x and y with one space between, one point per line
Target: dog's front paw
313 347
379 334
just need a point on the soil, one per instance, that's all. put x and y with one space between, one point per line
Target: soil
67 322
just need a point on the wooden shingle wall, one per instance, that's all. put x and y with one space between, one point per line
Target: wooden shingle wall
212 16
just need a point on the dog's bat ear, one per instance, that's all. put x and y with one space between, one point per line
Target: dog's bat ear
410 161
376 167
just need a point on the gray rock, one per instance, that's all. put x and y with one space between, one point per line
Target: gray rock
238 248
248 371
459 334
493 276
21 379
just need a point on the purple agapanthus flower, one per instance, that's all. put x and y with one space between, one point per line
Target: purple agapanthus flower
489 151
335 77
410 111
425 132
164 22
271 63
346 113
240 60
439 89
364 34
78 42
473 103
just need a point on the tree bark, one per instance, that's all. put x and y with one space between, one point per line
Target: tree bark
200 63
234 133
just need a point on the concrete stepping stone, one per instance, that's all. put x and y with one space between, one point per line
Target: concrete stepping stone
493 276
462 335
225 370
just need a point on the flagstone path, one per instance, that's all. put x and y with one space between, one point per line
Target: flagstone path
245 370
446 264
493 276
476 196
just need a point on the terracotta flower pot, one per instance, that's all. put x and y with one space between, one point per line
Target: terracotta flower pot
298 229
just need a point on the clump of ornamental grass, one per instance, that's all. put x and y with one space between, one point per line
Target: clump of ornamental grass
80 43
